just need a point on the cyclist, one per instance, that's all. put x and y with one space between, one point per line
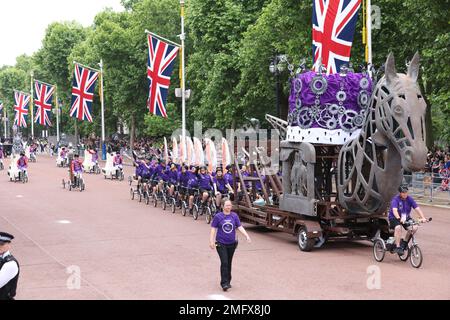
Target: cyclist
400 213
94 154
183 181
63 155
118 163
77 168
192 185
221 187
205 183
172 178
22 163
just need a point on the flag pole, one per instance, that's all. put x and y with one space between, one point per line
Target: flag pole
369 36
87 67
103 111
183 80
57 114
162 38
32 106
4 119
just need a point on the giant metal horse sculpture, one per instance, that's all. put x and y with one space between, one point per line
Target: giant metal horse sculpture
393 138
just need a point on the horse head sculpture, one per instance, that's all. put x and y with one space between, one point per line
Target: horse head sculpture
400 115
393 138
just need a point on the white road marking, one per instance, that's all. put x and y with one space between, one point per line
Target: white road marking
64 222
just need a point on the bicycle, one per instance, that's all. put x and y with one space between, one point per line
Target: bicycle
23 176
77 183
206 209
175 201
412 251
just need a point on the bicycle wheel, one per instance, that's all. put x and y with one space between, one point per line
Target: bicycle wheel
174 205
378 250
184 209
208 215
416 256
405 255
164 203
195 212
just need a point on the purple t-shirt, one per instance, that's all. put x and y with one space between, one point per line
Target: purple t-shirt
205 181
226 227
221 184
403 206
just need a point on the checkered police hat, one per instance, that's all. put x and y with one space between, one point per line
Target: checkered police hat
6 237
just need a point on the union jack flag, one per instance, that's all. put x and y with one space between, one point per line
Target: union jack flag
43 98
333 30
22 102
83 93
161 58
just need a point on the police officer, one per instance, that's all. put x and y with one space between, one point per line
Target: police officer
9 268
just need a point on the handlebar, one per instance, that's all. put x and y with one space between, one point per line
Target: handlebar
415 223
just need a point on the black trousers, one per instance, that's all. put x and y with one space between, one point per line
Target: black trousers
226 253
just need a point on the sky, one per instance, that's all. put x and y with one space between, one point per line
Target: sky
23 22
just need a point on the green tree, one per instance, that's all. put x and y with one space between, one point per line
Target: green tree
11 79
51 62
215 30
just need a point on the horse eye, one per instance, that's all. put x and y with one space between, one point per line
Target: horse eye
419 96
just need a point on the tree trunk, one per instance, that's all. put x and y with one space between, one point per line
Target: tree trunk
132 132
428 119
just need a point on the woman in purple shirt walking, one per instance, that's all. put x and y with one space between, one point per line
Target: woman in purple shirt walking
223 238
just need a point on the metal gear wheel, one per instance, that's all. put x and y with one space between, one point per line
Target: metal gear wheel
346 121
319 85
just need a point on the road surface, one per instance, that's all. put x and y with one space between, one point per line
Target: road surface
123 249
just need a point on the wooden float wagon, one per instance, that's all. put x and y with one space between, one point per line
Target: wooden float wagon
307 208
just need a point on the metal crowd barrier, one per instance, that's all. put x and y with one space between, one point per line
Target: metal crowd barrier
427 187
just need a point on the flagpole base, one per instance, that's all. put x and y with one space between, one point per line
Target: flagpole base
104 151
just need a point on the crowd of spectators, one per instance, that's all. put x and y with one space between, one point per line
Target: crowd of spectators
438 165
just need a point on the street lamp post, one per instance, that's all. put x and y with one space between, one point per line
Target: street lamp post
31 104
276 68
183 66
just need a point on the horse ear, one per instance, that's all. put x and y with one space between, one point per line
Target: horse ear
389 70
413 70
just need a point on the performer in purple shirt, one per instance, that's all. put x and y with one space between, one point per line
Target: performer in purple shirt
205 183
221 187
223 238
192 186
172 177
399 213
